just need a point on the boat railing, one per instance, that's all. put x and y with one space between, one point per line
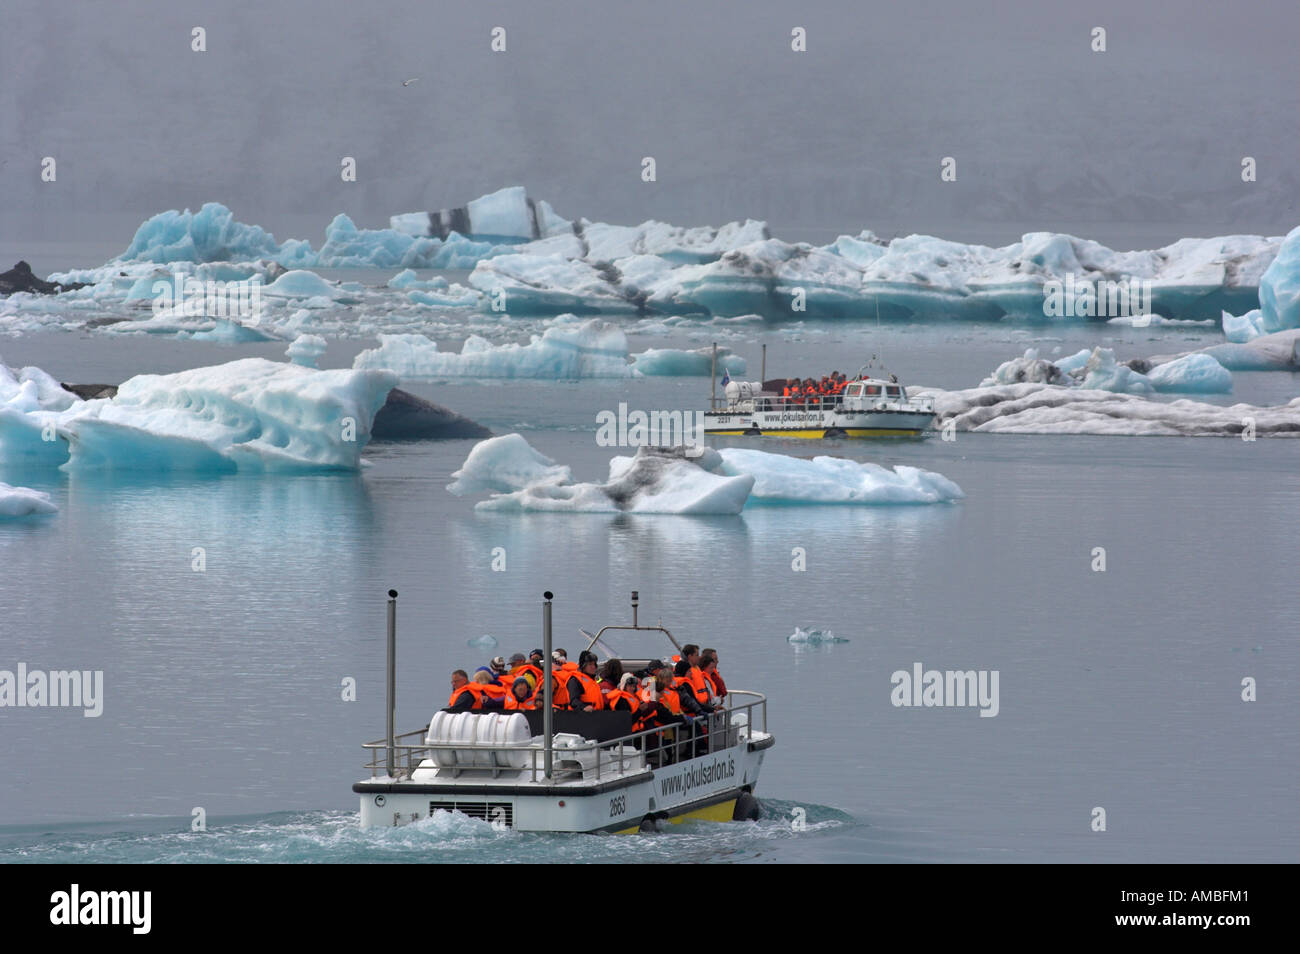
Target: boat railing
694 736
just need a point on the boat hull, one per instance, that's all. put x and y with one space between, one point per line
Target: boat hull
818 423
703 787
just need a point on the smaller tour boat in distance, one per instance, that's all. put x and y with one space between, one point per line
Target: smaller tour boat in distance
556 770
870 404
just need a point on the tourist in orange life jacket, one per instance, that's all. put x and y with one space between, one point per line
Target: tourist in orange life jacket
470 694
709 666
521 695
623 699
584 693
660 704
686 694
694 677
520 666
495 670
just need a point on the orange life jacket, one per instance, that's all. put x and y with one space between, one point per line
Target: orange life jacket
698 684
525 669
479 691
560 688
513 703
615 696
590 691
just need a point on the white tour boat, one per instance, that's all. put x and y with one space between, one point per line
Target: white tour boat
563 771
868 406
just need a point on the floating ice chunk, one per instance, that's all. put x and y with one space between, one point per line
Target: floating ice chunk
250 413
608 243
771 277
779 479
811 635
225 331
650 482
506 463
1193 373
406 280
1239 329
549 284
671 361
1159 321
1103 373
306 350
567 349
1279 288
1028 368
486 641
1051 409
23 502
302 284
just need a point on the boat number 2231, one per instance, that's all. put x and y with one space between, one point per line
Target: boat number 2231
618 806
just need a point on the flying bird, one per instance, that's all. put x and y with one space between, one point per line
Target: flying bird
410 81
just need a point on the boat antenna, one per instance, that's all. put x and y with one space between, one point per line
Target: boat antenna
636 597
548 717
392 681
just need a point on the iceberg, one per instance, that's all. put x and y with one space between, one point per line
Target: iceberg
1193 373
507 215
1279 288
672 361
779 479
23 502
666 480
247 414
567 349
209 235
814 636
650 482
504 464
1052 409
1239 329
306 350
549 284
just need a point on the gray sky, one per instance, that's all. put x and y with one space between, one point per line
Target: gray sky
1137 145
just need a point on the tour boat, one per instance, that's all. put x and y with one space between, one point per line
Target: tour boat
867 407
555 770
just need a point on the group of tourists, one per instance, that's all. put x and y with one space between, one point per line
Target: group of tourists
657 695
812 390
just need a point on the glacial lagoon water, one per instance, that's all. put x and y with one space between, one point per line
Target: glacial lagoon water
1118 689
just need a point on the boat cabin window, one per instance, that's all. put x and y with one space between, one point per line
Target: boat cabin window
873 388
854 390
892 391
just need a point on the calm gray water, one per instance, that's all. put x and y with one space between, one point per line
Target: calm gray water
1118 689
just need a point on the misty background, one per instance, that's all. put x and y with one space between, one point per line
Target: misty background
1134 147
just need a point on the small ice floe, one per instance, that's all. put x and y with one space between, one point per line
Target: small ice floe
814 637
482 642
18 502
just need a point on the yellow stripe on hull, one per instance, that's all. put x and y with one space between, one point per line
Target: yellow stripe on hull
821 432
721 812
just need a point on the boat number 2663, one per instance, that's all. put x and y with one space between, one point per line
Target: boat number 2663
618 806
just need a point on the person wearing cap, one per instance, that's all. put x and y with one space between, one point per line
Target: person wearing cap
584 692
521 694
495 669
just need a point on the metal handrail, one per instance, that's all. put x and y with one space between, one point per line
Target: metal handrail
667 751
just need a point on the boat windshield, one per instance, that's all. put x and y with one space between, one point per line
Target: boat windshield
623 642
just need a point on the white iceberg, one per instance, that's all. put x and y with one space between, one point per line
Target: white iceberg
1279 288
506 463
673 361
1052 409
667 481
1192 373
23 502
568 349
247 414
780 479
306 350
